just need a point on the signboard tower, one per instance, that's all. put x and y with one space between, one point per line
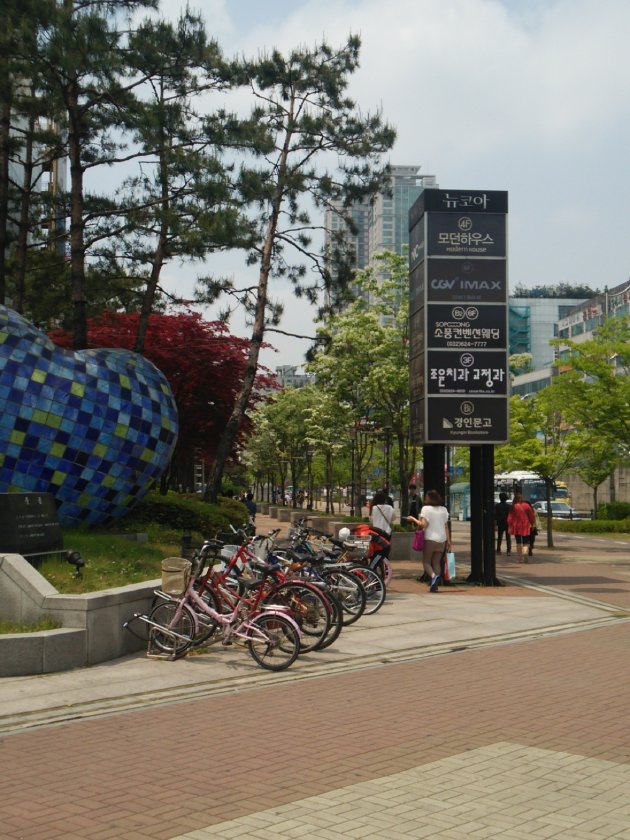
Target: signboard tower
458 328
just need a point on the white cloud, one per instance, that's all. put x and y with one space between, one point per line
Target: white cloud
524 95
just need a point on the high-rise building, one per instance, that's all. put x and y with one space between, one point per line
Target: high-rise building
532 323
382 224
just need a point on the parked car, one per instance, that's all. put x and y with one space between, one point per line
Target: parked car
559 510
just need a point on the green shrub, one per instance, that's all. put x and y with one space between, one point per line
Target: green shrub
592 526
180 513
614 510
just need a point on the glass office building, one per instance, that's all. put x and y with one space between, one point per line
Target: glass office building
382 225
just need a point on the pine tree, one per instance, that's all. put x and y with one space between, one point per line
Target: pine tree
307 120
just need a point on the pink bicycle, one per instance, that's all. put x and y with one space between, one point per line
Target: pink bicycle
270 634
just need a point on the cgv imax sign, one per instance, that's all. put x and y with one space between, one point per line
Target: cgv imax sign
458 299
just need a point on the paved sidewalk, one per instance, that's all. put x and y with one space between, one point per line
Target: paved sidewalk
475 712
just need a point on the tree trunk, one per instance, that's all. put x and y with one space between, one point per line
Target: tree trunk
5 124
77 248
148 299
232 427
611 485
25 205
549 513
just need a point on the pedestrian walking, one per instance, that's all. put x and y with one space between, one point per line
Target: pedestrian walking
433 520
382 513
414 501
501 511
521 520
533 533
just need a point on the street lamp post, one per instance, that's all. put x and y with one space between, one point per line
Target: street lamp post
387 431
309 471
353 440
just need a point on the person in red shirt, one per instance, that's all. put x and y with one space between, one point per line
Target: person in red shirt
521 519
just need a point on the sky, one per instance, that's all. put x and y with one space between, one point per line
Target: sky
528 96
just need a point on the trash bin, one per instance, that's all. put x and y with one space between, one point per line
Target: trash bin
175 575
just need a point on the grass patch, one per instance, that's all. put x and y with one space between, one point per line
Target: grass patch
110 561
45 623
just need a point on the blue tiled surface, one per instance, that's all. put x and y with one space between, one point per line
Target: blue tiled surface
95 428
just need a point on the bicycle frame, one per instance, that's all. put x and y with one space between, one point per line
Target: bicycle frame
234 625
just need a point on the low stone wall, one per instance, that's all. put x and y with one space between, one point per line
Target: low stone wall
91 631
401 540
92 624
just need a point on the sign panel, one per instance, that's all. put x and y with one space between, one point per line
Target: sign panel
416 287
466 326
416 245
416 378
468 420
473 280
457 235
416 421
416 334
456 201
458 325
451 372
29 523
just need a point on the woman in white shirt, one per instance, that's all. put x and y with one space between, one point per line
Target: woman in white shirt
382 514
433 520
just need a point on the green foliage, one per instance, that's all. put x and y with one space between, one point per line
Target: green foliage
557 290
363 360
186 513
45 623
520 363
319 151
614 510
540 439
110 561
594 382
592 526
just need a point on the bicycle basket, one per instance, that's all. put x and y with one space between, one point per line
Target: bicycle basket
175 575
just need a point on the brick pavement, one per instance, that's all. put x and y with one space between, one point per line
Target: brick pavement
527 739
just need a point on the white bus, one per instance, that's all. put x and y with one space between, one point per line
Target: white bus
530 485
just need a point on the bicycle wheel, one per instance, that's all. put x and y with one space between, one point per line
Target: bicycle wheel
336 621
308 608
274 642
170 615
375 590
348 589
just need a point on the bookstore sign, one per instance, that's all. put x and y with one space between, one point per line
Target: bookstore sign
458 317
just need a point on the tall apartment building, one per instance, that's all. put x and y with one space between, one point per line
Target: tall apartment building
532 323
383 224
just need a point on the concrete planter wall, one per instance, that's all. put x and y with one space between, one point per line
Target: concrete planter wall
91 630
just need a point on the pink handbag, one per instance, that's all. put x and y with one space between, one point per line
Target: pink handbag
418 541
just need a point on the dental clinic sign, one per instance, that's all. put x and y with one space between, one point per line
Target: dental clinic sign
458 317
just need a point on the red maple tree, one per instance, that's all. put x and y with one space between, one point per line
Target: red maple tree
204 365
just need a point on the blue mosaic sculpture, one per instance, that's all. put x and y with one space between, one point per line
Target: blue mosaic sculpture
95 428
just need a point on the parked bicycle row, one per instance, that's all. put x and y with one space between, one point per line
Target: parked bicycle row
279 598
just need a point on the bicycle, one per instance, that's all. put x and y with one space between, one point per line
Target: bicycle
343 554
271 635
309 605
